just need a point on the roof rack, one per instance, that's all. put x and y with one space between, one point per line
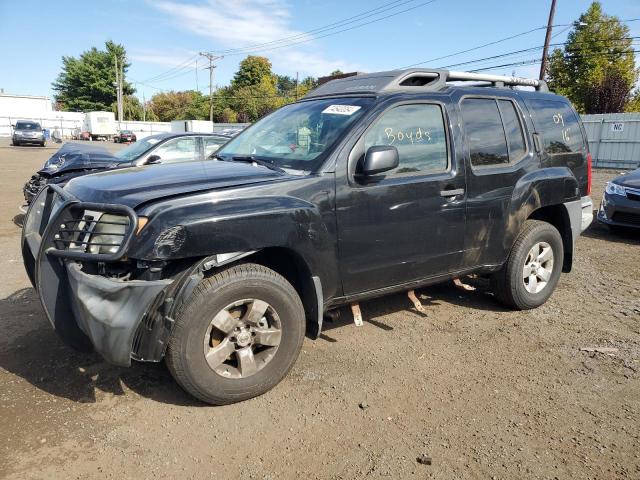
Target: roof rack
418 79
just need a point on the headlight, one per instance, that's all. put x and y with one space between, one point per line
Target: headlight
615 189
108 234
54 163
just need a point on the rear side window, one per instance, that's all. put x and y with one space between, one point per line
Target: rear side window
557 125
494 132
513 129
418 132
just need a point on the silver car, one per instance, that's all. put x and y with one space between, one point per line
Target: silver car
28 132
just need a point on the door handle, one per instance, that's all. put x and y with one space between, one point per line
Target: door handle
452 193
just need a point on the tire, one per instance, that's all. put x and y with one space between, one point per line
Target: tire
193 334
510 286
43 144
16 144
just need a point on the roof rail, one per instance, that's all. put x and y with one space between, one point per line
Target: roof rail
417 79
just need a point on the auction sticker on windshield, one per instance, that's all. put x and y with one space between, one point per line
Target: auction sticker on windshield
341 109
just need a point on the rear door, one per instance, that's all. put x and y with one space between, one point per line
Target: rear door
562 138
406 224
180 149
498 155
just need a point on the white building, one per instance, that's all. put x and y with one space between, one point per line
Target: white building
24 105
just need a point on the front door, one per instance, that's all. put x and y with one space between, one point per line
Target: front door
406 224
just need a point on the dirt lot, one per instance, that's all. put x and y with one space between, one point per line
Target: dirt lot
485 392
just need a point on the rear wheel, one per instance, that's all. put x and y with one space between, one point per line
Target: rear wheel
238 335
16 144
533 268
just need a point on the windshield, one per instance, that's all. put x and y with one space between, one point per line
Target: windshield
137 149
125 132
297 135
28 126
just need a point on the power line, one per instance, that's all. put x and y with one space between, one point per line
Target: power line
331 26
244 52
534 61
506 39
186 64
532 49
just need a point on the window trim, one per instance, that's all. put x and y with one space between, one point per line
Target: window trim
523 127
410 175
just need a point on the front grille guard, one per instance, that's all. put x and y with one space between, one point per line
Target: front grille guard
69 231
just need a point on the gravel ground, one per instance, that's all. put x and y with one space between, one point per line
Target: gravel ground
472 389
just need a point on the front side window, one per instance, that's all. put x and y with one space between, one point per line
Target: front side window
418 132
177 150
298 135
558 126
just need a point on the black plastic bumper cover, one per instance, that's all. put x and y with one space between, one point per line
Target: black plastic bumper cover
109 311
85 310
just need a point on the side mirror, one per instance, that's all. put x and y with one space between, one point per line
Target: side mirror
380 159
152 159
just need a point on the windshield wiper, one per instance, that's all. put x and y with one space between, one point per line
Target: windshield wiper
252 159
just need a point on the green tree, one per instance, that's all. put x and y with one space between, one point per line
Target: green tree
597 60
253 102
187 105
87 83
633 105
251 72
285 84
131 108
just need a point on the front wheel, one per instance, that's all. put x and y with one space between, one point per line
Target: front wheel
238 335
533 268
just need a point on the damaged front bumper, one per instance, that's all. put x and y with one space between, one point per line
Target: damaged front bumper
87 310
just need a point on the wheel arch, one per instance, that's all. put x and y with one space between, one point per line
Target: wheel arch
558 216
542 195
292 266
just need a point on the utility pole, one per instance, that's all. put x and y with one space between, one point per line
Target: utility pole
296 86
547 39
117 85
121 104
212 58
144 108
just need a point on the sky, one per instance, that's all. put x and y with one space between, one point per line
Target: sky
304 37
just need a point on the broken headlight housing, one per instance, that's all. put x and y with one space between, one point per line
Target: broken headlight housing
108 234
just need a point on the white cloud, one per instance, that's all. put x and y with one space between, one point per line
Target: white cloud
161 57
251 22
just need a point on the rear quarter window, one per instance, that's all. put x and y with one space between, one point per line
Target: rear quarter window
558 126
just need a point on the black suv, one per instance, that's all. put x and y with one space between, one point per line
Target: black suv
371 184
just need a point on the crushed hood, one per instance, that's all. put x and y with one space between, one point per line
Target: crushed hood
136 185
78 156
631 179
